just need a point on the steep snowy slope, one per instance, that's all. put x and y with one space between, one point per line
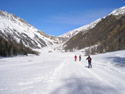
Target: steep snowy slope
18 30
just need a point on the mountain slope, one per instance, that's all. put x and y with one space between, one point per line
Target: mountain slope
18 30
93 24
108 34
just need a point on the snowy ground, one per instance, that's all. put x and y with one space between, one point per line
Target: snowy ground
57 73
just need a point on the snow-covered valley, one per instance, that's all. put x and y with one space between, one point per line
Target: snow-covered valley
58 73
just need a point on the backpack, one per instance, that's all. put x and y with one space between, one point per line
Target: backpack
89 59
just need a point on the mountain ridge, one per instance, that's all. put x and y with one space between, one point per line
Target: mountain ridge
110 28
71 33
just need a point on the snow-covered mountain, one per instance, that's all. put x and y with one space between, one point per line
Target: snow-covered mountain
118 11
107 32
93 24
18 30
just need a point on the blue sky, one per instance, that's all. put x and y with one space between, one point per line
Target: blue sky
56 17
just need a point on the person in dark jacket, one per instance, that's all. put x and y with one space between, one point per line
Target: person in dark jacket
89 61
79 57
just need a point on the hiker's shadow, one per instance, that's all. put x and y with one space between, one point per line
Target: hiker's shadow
86 66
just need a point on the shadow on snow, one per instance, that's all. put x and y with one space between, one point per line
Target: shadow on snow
118 61
75 85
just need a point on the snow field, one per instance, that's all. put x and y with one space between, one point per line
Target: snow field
58 73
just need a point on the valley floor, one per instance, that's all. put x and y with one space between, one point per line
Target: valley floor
58 73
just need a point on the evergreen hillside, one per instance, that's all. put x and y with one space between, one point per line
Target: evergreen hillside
8 48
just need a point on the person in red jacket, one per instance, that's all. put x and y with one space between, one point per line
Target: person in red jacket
75 57
89 61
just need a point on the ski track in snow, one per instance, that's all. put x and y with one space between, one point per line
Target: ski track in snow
58 73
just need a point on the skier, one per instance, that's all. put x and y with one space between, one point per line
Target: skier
79 57
89 61
75 57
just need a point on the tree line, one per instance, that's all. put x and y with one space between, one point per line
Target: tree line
9 48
